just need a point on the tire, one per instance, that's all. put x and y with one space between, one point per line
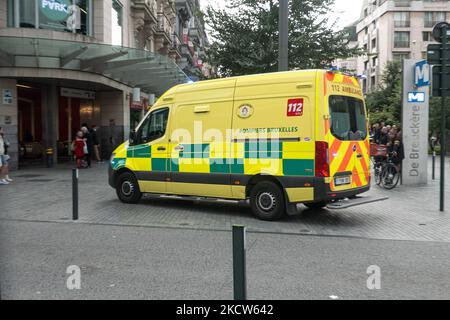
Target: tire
316 206
267 201
390 177
127 188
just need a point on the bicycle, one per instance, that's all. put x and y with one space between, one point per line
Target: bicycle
386 173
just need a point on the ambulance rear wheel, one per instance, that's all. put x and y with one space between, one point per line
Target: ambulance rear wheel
128 188
267 201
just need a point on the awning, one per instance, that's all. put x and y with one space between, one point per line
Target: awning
152 72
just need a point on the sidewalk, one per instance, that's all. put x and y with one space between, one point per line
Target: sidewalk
46 195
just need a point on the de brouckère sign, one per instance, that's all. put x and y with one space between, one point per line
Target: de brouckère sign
416 97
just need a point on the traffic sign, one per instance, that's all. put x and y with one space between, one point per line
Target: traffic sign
437 55
416 97
438 31
440 81
422 74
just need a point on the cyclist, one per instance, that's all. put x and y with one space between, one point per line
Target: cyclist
396 153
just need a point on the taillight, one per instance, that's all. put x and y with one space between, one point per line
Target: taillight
322 162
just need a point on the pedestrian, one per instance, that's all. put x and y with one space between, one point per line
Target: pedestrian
384 137
4 159
89 145
96 144
79 148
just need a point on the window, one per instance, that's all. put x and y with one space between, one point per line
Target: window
401 56
27 14
60 15
401 39
348 118
402 19
427 36
10 22
154 126
432 18
116 23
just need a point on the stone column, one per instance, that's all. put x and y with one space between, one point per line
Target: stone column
50 110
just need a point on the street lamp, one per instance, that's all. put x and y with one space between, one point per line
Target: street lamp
283 53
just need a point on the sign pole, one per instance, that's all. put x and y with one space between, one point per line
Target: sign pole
444 33
439 55
283 55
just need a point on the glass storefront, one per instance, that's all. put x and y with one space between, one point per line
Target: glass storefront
62 15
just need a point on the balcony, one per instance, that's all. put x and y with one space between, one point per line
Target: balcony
402 44
402 24
402 3
175 48
164 27
148 6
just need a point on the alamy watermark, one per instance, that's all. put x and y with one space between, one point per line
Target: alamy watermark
374 279
74 280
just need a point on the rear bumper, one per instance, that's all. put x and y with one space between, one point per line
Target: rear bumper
323 192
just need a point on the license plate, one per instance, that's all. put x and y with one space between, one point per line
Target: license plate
342 181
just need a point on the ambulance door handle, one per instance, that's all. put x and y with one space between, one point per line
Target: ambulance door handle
179 148
162 149
359 156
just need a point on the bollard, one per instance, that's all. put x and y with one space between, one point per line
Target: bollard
75 194
239 263
434 165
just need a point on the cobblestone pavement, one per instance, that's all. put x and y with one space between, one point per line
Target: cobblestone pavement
45 195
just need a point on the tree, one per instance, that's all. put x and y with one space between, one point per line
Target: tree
385 103
245 36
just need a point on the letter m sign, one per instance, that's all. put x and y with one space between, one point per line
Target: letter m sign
422 74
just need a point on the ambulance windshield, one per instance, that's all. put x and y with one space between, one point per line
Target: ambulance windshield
348 118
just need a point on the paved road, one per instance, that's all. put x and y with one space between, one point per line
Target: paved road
45 195
160 263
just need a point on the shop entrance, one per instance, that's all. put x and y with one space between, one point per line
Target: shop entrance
73 112
70 113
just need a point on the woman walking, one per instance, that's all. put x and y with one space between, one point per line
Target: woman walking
78 147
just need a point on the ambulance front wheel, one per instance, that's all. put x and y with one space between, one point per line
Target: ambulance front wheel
267 201
127 188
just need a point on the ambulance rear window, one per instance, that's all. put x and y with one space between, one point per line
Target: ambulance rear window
348 118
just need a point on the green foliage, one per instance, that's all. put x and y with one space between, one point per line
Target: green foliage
245 36
385 103
436 115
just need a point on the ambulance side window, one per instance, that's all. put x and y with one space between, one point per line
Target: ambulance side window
154 126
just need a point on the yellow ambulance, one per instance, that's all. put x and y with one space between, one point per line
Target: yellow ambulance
274 139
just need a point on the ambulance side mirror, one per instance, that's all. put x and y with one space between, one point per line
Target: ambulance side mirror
132 137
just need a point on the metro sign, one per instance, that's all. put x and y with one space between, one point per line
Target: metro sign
416 97
422 74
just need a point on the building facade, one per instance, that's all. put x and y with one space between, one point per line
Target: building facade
395 30
64 63
349 64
